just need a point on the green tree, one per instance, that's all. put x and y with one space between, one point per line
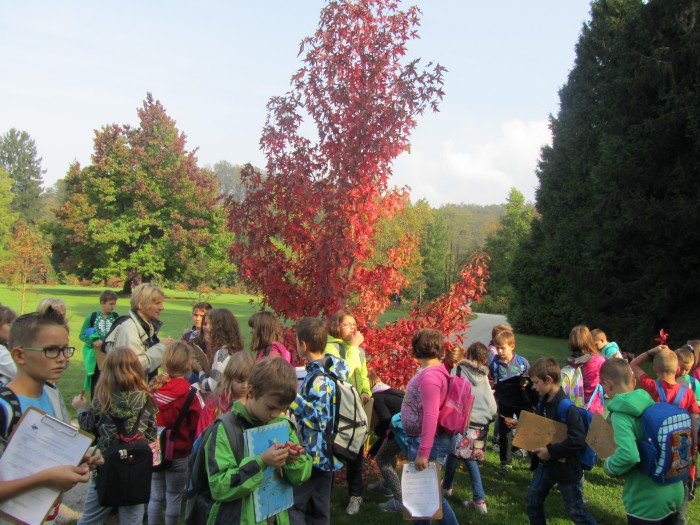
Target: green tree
501 246
143 210
7 216
615 245
435 250
18 156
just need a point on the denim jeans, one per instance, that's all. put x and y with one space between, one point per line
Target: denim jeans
441 447
474 475
95 514
571 493
167 487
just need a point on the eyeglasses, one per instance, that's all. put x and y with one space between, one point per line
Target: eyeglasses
349 325
52 352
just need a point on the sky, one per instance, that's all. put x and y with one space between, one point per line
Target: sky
71 68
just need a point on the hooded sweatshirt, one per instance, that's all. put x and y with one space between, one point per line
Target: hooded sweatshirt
643 497
484 408
357 364
590 370
611 350
170 399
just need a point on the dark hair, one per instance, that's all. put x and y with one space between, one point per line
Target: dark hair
428 344
265 330
312 331
478 353
224 331
7 315
274 377
26 328
546 367
336 319
108 295
202 306
617 371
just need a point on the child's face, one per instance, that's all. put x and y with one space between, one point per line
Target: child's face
599 343
301 349
684 367
4 333
197 317
348 327
35 364
543 386
108 307
263 408
506 351
206 328
239 389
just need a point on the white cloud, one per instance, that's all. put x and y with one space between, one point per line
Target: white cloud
475 169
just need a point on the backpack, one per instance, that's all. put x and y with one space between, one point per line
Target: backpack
456 410
347 435
125 477
572 384
164 446
665 447
588 456
199 498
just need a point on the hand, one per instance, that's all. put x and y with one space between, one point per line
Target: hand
196 367
421 463
167 341
365 398
510 422
357 339
275 456
542 453
79 402
295 451
656 350
93 458
97 344
66 477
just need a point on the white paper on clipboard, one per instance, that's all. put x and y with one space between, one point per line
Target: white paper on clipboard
39 441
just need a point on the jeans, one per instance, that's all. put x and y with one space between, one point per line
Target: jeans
167 487
474 475
571 493
95 514
441 447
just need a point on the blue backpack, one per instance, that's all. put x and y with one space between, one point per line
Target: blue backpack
665 448
588 456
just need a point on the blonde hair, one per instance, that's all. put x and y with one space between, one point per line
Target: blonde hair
456 354
176 363
237 369
504 337
122 372
581 341
59 305
500 328
145 295
665 362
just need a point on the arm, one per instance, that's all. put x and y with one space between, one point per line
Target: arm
62 478
636 364
8 368
626 456
431 387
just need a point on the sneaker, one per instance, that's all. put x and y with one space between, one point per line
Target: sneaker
447 492
505 469
478 506
520 453
392 505
354 505
380 488
496 447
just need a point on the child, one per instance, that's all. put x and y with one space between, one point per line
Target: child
646 502
583 354
508 392
425 394
474 368
8 369
232 387
120 393
173 394
686 360
38 345
607 349
199 310
493 353
557 463
344 340
93 333
314 409
272 387
266 336
220 334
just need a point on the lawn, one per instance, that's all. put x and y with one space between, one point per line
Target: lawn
505 495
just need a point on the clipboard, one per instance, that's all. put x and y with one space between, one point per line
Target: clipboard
39 441
535 431
600 437
202 359
426 484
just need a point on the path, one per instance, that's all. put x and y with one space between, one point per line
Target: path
480 328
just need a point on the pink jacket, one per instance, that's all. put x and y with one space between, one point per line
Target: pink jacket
591 377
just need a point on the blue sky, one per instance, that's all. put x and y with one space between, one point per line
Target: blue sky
73 67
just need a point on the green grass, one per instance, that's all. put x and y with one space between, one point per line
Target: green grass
505 495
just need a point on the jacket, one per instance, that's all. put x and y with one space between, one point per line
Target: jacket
89 334
484 408
142 338
170 399
357 364
568 471
643 497
125 405
590 371
425 394
611 350
232 484
314 409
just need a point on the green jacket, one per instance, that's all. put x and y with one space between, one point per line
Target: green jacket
643 497
232 485
357 364
88 335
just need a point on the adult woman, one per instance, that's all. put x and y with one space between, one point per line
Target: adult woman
139 331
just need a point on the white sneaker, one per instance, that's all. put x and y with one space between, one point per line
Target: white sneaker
478 506
353 507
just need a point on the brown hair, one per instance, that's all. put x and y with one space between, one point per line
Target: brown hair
275 378
336 319
122 372
455 355
665 362
374 379
237 369
265 330
617 371
685 354
26 328
312 331
7 315
176 363
694 345
597 333
546 367
428 344
224 332
203 305
506 337
581 341
478 353
108 295
500 328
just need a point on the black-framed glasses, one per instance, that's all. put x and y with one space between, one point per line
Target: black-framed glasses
52 352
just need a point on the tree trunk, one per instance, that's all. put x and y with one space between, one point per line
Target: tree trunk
133 279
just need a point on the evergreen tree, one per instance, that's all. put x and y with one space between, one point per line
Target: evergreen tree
434 250
18 156
7 216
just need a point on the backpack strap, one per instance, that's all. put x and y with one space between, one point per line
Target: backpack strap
9 420
341 349
185 408
597 392
234 433
93 318
122 434
662 393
